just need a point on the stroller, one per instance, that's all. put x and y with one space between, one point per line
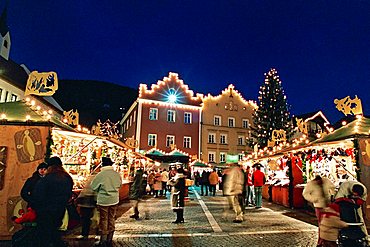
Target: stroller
353 235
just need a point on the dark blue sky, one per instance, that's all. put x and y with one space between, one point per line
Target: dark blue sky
321 49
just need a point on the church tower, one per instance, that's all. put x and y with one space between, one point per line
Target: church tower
4 35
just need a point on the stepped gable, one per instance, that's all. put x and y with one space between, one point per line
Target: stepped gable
170 85
230 91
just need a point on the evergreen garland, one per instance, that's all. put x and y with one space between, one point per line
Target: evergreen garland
49 144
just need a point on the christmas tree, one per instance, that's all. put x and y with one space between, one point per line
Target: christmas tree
273 111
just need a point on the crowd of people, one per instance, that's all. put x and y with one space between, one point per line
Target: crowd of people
48 192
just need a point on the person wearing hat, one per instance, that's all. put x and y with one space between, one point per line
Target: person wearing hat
29 185
107 184
51 196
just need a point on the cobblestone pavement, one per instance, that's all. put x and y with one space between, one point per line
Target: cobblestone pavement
208 222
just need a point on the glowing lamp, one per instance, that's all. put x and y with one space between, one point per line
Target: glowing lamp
3 116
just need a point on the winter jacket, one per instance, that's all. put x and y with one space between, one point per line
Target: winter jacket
213 178
53 191
87 197
313 192
258 178
107 184
27 189
165 176
151 178
345 189
157 181
234 182
178 191
331 223
137 188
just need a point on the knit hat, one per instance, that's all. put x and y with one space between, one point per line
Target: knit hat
55 161
106 161
42 165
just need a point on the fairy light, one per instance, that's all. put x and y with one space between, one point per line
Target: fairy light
28 117
3 116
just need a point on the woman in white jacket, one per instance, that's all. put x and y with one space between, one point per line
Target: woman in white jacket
319 192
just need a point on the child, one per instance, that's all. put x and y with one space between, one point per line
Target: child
330 225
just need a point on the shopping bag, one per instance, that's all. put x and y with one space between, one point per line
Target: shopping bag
64 225
147 188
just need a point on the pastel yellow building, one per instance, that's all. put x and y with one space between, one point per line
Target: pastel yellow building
226 125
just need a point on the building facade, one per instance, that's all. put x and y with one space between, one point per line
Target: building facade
165 117
226 126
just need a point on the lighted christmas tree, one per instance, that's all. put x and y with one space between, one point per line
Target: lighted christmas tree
273 111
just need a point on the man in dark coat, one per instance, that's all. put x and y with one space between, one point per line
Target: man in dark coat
137 192
51 195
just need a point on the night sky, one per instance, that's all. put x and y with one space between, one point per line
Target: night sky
321 49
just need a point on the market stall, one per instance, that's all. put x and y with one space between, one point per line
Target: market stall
340 156
24 131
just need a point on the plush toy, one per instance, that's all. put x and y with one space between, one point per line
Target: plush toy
29 216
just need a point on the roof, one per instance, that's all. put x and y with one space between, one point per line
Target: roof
17 111
13 73
199 163
358 128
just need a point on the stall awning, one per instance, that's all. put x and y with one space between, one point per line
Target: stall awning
199 163
17 111
356 128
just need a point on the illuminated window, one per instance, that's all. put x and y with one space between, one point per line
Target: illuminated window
171 116
211 156
222 157
211 138
170 140
240 140
217 120
152 140
240 157
245 123
187 117
223 138
187 142
153 114
231 121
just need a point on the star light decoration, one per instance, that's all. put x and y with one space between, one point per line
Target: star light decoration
170 91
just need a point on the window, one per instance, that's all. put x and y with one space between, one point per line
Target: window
187 142
14 98
171 116
6 96
217 120
240 157
211 156
223 139
1 93
152 140
211 138
245 123
5 43
231 122
153 114
222 157
187 117
170 140
130 120
240 140
134 116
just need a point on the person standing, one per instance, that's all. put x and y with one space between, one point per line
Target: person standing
107 184
86 200
29 185
319 192
137 192
165 177
151 181
204 183
250 188
258 179
178 195
213 181
157 186
233 189
51 195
